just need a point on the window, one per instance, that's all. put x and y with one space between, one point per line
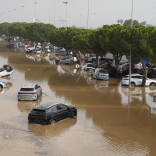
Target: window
62 107
27 89
53 109
137 77
37 86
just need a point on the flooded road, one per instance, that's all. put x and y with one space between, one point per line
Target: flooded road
112 120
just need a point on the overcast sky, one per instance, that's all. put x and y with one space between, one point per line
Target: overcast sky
75 12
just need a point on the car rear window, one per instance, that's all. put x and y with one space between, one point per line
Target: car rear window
27 89
89 65
38 110
103 71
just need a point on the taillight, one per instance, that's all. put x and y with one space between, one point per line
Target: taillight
43 117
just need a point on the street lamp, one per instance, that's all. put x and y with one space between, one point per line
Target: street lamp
66 3
22 6
54 8
130 47
88 15
35 4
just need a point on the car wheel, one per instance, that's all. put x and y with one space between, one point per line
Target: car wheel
132 84
152 84
1 87
73 114
52 121
36 98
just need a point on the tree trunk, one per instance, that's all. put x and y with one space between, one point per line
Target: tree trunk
117 59
144 75
97 61
78 57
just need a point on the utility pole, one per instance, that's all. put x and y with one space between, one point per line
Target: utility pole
35 5
130 55
88 15
66 3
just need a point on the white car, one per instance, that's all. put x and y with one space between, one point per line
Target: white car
136 80
30 49
6 71
30 92
3 84
88 66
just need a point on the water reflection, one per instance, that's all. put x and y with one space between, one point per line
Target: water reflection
143 95
27 106
106 111
34 71
52 130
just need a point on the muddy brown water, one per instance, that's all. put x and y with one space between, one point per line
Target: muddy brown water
112 120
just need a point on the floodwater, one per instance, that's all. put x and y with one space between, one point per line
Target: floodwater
112 120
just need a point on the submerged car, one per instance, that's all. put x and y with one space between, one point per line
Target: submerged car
6 71
67 60
100 74
3 84
88 67
48 114
30 92
136 80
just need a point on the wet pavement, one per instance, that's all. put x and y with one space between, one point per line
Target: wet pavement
112 120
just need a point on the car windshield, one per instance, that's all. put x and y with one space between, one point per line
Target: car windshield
89 65
27 89
103 71
1 69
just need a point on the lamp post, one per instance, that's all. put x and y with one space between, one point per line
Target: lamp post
35 4
54 8
130 60
88 15
22 7
66 3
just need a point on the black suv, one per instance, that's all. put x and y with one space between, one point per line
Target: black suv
48 114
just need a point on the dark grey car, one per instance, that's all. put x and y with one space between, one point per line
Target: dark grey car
47 114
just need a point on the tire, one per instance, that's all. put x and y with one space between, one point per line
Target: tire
73 114
36 98
152 84
132 84
1 87
51 121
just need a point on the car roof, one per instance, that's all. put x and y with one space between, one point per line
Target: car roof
28 86
47 106
135 74
1 81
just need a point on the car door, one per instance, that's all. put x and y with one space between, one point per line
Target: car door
53 113
139 80
38 89
62 112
